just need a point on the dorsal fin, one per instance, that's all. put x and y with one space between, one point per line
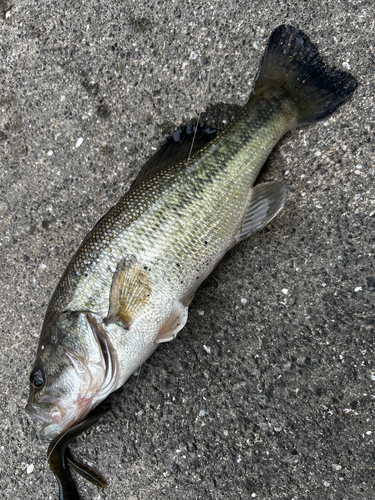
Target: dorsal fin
176 149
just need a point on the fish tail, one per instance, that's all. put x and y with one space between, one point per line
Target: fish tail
291 64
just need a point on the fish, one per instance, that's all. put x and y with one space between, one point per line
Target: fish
128 287
60 458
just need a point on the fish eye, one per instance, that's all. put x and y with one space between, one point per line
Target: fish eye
37 379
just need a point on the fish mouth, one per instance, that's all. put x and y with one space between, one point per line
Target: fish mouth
54 418
46 412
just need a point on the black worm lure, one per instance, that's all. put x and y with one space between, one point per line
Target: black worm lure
60 459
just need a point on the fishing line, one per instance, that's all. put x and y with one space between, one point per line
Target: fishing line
205 90
119 458
191 148
136 382
122 443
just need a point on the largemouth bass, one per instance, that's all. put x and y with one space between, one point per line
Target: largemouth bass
129 285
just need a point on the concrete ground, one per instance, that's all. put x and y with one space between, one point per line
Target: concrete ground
269 390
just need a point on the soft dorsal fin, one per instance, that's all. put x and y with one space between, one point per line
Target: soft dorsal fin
173 324
176 149
130 291
267 200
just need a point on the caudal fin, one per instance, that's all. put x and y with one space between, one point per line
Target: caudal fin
292 64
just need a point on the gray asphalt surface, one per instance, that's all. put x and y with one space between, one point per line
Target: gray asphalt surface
269 390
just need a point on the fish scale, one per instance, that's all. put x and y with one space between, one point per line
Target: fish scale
188 191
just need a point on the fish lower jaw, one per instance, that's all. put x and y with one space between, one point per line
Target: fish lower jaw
57 419
50 430
45 416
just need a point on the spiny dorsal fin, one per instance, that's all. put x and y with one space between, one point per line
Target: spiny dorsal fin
173 324
130 291
267 200
176 149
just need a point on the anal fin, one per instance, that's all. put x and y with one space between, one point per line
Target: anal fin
266 202
130 291
173 324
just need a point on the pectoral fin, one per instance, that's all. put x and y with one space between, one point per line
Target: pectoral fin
130 291
173 324
266 202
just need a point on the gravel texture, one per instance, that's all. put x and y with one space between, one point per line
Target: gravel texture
268 392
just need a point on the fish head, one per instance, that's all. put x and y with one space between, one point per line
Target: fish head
74 370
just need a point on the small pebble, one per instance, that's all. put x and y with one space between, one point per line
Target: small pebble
30 468
285 291
50 152
79 142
